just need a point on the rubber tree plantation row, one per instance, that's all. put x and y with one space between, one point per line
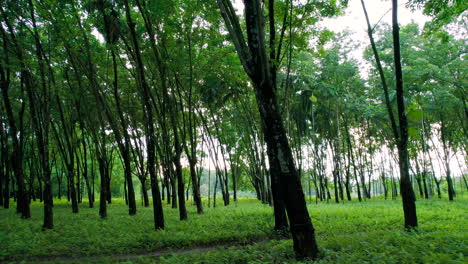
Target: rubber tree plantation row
198 103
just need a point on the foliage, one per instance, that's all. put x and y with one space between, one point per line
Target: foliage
443 12
86 234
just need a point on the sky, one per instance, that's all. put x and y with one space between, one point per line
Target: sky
354 20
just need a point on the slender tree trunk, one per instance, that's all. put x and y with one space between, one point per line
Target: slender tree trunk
195 186
78 179
145 193
180 189
6 191
173 182
73 194
424 177
406 189
401 134
2 176
451 190
361 175
16 156
4 181
234 171
418 177
151 141
103 189
85 166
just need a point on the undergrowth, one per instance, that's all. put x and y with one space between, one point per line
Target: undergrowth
353 232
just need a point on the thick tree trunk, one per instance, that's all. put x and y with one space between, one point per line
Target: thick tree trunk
281 162
279 208
256 65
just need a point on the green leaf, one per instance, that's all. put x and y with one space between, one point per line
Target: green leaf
413 132
313 99
414 112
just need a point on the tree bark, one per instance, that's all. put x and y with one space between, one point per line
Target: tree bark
406 189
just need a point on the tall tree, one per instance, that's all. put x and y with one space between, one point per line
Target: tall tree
149 111
406 188
400 130
15 124
253 56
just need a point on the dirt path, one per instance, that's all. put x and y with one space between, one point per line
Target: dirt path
153 254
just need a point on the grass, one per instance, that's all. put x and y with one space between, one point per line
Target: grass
368 232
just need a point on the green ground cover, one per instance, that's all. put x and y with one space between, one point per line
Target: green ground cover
367 232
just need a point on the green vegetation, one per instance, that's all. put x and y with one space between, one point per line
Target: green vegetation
87 234
144 115
347 233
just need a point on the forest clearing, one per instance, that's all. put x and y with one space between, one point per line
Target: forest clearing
233 131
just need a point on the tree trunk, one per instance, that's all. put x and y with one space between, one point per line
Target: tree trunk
16 156
103 189
406 189
145 193
4 199
180 188
151 141
195 186
451 190
401 135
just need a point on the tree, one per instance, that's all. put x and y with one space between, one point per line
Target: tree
253 56
400 131
148 109
442 11
15 124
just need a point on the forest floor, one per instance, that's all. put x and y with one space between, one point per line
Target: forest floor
350 232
